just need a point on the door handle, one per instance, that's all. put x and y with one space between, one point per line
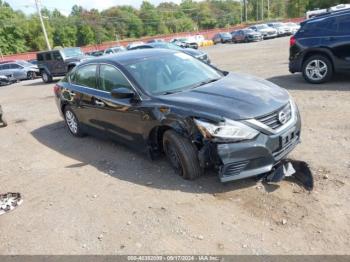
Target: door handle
99 103
330 38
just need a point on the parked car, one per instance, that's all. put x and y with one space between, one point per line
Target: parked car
3 122
185 42
192 52
7 80
114 50
160 100
156 40
133 44
266 31
321 47
246 35
282 29
20 70
223 37
95 53
58 62
293 27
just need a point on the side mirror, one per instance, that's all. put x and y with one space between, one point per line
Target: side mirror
122 92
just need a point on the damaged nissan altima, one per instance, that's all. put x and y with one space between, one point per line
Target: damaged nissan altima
163 101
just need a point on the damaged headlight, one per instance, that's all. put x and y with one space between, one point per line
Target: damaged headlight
229 130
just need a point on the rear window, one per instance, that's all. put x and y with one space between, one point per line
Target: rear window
344 25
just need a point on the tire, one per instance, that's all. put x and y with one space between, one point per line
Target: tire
72 122
46 77
3 122
323 69
182 154
30 75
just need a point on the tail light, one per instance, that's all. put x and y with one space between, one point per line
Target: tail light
292 41
56 89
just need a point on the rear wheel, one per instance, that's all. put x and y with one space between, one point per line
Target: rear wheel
182 154
72 122
46 77
317 69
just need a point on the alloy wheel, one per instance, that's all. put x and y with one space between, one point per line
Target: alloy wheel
316 70
72 122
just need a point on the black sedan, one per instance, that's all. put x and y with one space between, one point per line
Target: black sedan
192 52
159 100
245 36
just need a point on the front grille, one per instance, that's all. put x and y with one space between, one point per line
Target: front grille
234 169
287 148
272 119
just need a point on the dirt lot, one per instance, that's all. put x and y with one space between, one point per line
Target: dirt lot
89 196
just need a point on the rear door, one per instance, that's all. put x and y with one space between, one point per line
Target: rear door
58 65
82 93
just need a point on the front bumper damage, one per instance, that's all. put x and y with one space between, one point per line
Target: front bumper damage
261 155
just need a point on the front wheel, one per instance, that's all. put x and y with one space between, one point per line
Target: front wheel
30 75
182 154
72 122
317 69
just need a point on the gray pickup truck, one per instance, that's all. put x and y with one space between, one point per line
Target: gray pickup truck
58 62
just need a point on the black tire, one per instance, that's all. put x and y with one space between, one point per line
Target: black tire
328 75
46 77
69 112
30 75
182 154
3 122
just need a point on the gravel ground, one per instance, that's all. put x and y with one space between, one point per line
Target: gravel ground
91 196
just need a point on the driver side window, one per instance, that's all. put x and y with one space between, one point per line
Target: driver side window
110 78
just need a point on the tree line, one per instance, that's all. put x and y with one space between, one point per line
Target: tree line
20 32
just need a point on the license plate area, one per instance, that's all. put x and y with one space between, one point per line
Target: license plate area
287 137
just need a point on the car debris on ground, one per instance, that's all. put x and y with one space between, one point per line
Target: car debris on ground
9 201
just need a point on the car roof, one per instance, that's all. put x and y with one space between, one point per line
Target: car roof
131 56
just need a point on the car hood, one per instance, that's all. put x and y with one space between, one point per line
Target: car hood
235 96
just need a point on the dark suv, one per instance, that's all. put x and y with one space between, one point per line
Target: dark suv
321 47
58 62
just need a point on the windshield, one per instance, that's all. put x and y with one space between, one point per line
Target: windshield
72 52
25 63
262 26
171 73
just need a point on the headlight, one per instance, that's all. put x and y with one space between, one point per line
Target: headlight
229 130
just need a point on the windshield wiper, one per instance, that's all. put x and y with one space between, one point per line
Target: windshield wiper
208 81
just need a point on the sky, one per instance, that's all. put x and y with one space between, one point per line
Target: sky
65 6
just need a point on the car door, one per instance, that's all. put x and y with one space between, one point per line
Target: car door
341 43
123 118
6 70
82 92
18 71
58 65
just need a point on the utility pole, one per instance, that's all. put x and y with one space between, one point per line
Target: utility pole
245 11
42 24
262 9
268 9
241 6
